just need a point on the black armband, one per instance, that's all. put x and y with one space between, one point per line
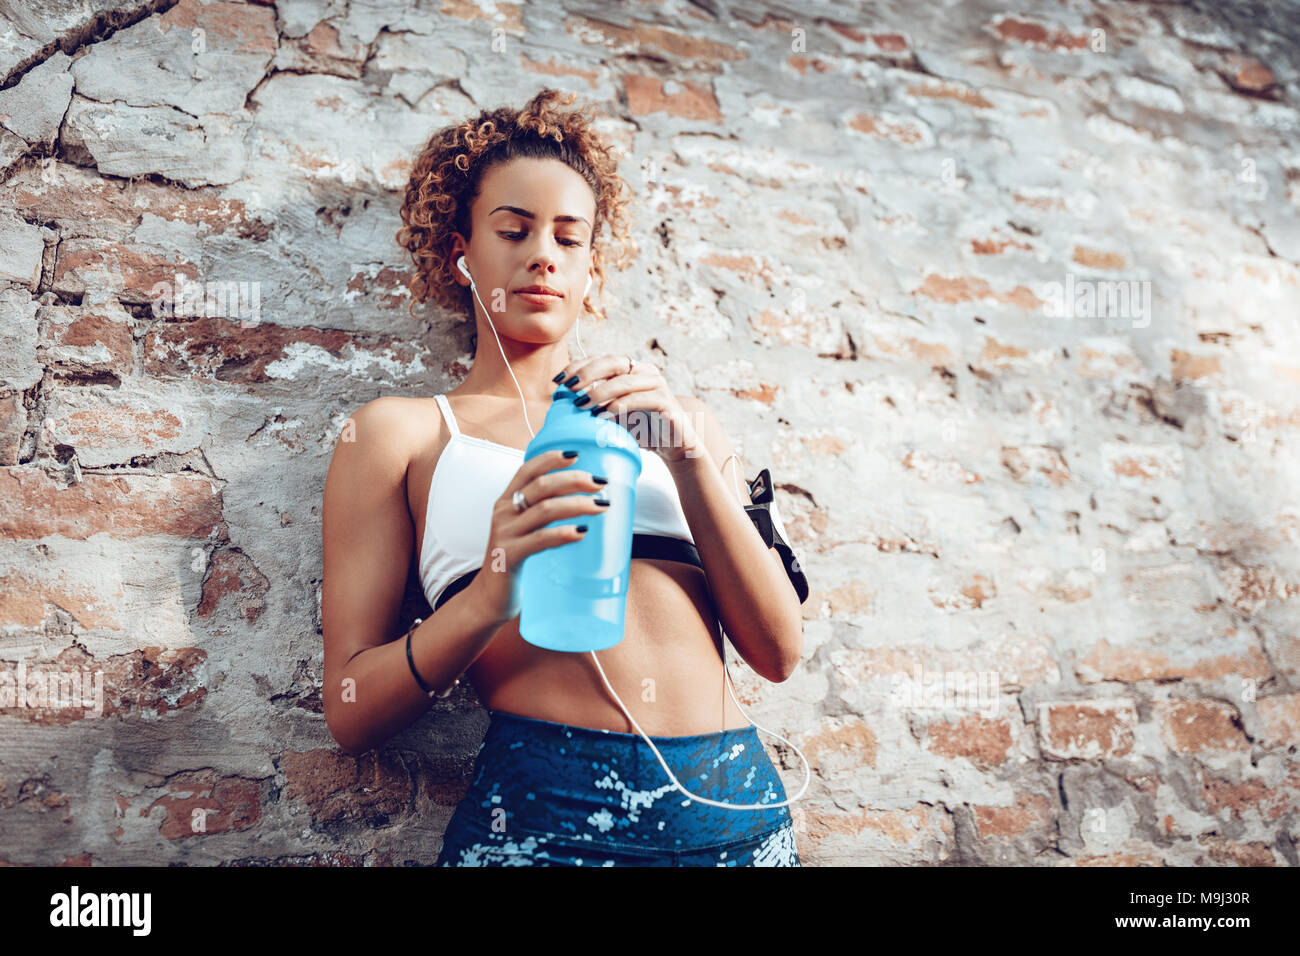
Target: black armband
768 522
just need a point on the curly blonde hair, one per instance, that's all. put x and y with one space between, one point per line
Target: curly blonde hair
446 179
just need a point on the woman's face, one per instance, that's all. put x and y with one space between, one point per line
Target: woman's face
532 227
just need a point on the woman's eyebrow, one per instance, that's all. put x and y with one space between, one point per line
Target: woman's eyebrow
528 215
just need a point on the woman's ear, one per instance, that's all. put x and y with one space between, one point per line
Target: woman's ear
458 253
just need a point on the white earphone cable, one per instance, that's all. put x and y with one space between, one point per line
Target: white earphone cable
726 674
473 288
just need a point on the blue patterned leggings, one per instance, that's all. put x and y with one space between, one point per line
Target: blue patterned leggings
550 794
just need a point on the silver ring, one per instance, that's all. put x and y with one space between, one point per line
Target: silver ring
631 364
519 501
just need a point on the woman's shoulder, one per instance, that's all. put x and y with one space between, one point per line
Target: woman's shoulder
393 426
389 410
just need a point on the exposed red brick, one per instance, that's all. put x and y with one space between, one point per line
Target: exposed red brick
225 350
85 328
121 268
966 595
747 266
553 67
323 41
253 28
25 600
929 468
1279 715
1188 367
1231 853
645 95
13 424
1045 203
89 202
985 742
394 283
951 91
954 289
803 328
1031 811
1247 74
32 506
234 574
842 743
926 353
1097 259
1131 664
368 789
508 16
230 804
823 444
1191 726
762 393
1250 589
844 30
111 423
847 600
1250 797
1087 729
637 38
1037 34
906 132
918 825
803 64
990 247
890 42
151 680
1153 465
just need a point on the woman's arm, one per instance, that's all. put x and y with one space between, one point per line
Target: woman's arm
369 692
756 603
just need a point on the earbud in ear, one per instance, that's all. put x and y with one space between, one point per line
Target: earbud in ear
587 286
460 264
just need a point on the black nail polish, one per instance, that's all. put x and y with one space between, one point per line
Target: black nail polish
571 382
558 377
583 401
570 454
582 528
599 408
603 502
599 479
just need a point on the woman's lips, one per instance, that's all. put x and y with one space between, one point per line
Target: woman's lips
538 298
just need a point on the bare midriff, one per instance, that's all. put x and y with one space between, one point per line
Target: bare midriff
667 670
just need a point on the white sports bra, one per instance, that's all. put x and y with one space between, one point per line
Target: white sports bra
472 473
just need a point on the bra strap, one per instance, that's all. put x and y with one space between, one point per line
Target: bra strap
447 415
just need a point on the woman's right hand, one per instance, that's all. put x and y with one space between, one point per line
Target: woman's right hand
551 494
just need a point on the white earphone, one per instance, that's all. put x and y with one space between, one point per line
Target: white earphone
726 674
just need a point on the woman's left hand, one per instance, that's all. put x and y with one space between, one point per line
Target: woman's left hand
640 401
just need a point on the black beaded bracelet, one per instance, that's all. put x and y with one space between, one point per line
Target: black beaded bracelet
418 679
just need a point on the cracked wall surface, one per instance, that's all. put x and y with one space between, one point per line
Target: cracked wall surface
1005 295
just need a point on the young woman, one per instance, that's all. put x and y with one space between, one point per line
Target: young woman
515 201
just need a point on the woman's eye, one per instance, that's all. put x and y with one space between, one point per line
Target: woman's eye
520 235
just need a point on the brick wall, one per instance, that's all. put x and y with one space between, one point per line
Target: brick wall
1005 296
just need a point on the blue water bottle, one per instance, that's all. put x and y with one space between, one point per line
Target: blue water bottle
574 597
